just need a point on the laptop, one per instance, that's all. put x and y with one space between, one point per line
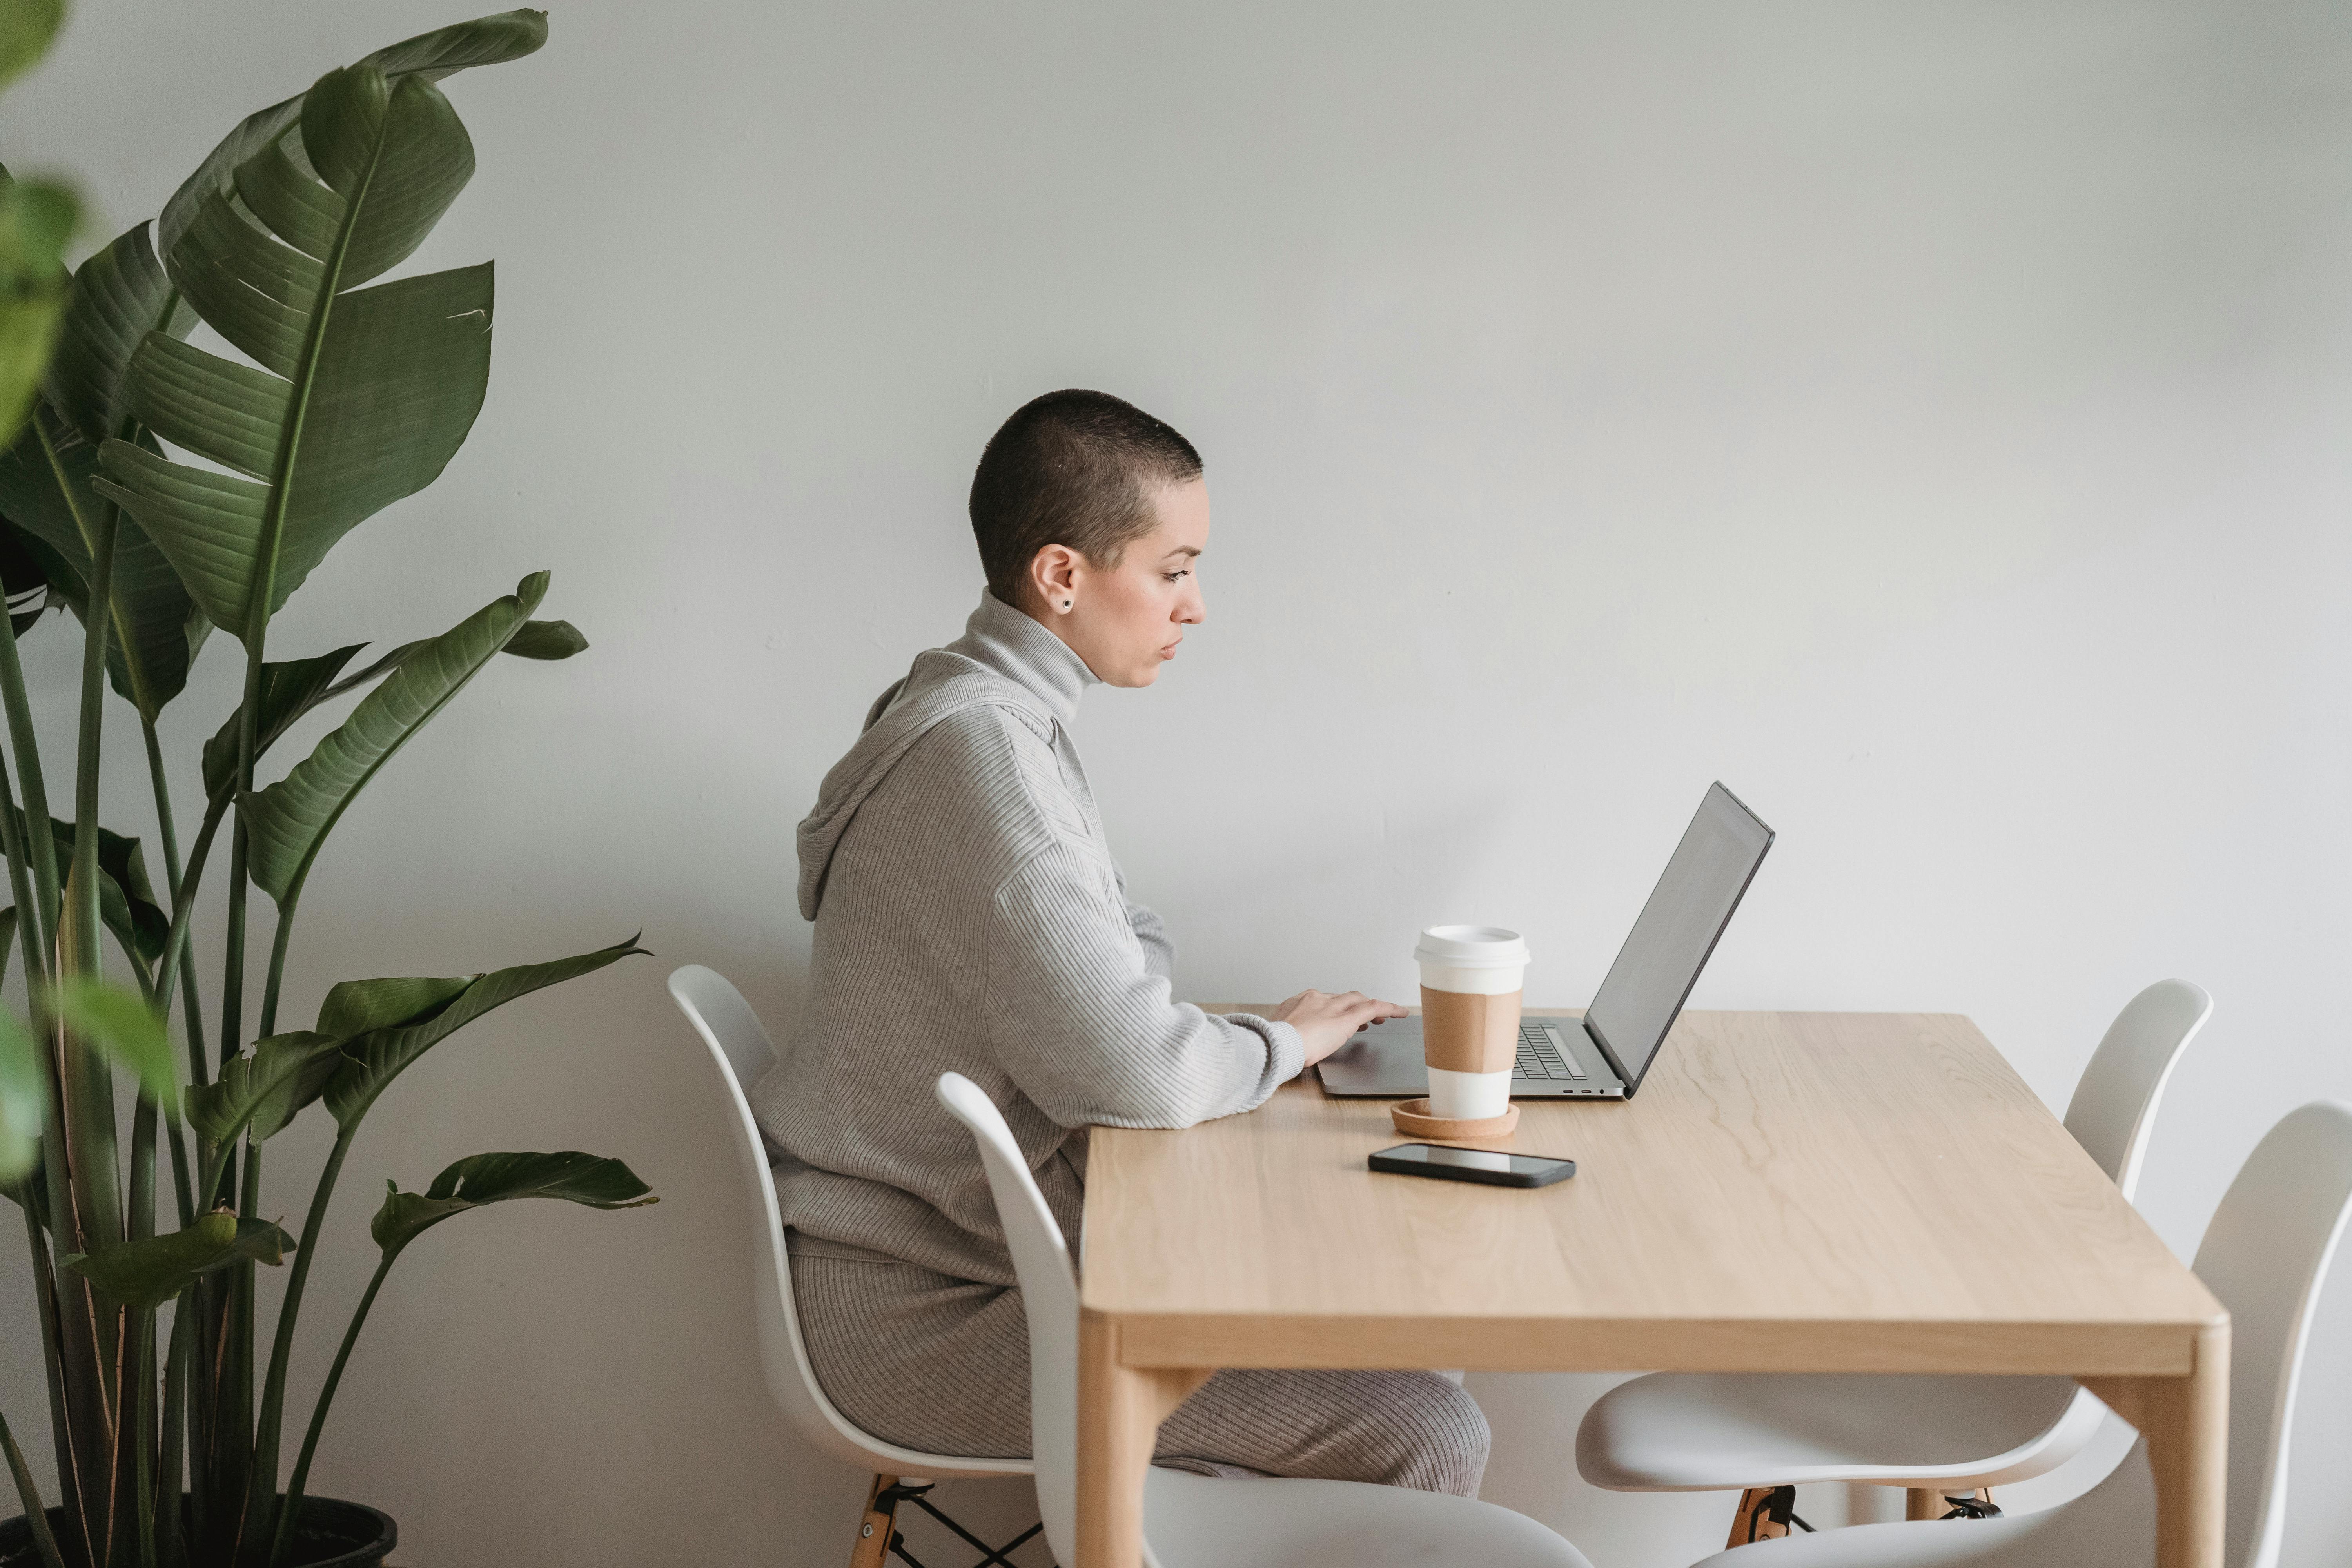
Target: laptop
1605 1053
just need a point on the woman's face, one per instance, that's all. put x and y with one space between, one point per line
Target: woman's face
1125 620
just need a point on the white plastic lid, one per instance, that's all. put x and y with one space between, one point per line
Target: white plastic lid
1470 947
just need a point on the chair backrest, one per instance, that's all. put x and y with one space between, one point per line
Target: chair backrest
2114 1104
740 1046
1049 1293
2266 1255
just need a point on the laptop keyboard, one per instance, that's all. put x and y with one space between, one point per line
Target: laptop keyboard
1544 1054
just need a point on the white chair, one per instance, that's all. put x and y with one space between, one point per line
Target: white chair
1194 1521
740 1046
2265 1255
1934 1435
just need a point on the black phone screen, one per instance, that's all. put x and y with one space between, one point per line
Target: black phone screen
1486 1165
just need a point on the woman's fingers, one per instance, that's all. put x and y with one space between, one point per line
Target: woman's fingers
1352 1007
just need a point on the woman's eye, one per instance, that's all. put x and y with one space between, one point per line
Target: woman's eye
1176 576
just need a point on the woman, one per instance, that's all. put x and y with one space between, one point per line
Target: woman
969 917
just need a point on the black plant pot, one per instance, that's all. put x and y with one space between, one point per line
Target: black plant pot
331 1533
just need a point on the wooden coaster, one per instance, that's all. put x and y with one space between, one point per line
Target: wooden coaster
1412 1119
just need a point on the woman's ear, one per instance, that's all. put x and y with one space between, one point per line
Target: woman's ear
1054 574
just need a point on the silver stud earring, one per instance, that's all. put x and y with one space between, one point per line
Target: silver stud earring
1066 603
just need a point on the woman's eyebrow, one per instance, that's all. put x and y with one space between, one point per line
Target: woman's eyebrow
1183 550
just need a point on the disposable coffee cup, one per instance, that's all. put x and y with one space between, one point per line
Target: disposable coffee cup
1470 983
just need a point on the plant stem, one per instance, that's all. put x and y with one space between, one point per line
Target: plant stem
35 1515
191 1007
175 1546
184 904
143 1462
232 1029
92 1203
46 1301
99 534
28 923
181 1191
269 1024
263 1483
248 715
142 1223
292 1502
40 843
237 1373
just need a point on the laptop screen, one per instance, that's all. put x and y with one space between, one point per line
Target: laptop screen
1670 944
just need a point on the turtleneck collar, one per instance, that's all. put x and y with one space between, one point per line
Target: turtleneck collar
1020 650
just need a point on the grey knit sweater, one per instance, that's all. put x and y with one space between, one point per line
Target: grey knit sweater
969 917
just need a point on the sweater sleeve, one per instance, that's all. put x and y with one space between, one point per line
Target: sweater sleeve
1088 1030
1150 933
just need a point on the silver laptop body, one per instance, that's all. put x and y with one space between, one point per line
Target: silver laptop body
1605 1053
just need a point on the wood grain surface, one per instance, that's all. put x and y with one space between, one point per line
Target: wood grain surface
1791 1190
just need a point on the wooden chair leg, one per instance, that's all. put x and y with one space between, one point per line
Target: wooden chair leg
873 1530
1765 1514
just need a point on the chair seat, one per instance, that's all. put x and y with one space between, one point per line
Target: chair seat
1195 1522
1710 1431
2112 1526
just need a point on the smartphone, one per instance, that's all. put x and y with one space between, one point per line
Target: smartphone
1495 1170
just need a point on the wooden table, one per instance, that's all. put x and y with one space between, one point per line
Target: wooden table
1790 1192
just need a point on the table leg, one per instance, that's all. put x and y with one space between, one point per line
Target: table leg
2186 1421
1119 1411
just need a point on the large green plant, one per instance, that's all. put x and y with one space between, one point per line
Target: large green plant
157 490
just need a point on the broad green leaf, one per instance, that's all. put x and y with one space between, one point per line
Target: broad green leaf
158 628
401 376
393 390
287 823
35 221
547 640
118 296
382 667
363 394
120 1024
126 901
291 690
533 639
26 28
255 291
355 1007
395 150
216 408
263 1089
23 1098
376 1059
480 1180
288 690
489 40
28 574
146 1274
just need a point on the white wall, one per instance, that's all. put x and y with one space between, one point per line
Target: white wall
1929 420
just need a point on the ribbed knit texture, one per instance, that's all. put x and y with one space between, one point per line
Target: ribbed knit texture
970 918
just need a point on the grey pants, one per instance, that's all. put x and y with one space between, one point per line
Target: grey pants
942 1365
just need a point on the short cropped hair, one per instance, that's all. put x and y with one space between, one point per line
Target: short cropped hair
1071 468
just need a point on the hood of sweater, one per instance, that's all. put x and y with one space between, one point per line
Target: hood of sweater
1004 659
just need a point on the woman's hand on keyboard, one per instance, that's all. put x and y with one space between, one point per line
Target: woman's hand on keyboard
1324 1019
